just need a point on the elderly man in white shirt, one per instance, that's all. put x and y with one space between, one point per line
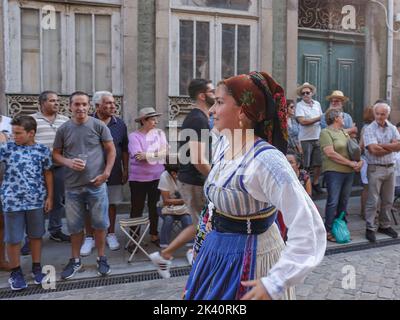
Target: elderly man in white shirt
308 114
382 142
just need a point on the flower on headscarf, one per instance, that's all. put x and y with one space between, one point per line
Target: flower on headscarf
247 98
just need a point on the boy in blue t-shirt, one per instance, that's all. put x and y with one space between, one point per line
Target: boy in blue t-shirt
26 193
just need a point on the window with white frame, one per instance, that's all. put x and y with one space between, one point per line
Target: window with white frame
81 51
210 46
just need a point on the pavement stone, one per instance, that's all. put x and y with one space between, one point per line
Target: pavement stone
377 272
385 293
318 288
370 288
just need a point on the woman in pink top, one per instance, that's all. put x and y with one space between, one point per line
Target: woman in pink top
147 150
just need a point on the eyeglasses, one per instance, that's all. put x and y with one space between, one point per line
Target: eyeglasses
306 93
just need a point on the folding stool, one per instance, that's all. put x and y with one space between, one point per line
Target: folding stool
126 227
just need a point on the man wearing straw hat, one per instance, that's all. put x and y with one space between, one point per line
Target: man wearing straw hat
308 114
337 101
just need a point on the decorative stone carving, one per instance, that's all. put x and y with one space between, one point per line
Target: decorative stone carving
28 104
179 108
327 14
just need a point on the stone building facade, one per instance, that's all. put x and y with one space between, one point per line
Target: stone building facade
145 51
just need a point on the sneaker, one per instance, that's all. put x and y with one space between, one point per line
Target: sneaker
103 269
370 235
17 281
162 264
71 268
26 250
189 256
389 232
112 242
60 237
38 276
87 247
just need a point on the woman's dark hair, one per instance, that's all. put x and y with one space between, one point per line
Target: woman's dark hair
171 168
171 164
289 102
198 86
257 126
26 122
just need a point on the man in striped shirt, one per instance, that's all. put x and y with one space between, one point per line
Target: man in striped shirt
48 121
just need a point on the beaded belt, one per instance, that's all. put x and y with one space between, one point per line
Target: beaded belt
256 224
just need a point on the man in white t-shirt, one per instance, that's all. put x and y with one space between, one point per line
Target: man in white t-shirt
308 114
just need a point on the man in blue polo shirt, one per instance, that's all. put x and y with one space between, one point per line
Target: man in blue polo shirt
105 111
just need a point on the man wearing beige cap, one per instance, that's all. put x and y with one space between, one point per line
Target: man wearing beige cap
337 100
308 114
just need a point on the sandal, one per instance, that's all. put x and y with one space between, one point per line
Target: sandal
330 237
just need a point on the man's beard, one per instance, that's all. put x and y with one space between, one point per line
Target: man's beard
210 101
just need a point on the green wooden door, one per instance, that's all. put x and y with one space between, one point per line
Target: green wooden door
334 65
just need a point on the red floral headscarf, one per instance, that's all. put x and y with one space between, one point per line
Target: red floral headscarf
263 101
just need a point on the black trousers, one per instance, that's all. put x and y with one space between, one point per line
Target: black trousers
139 192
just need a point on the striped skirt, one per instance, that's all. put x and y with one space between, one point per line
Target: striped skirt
226 259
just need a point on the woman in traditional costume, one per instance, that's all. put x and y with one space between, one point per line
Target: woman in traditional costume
244 256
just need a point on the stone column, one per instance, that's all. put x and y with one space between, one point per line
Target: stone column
266 30
130 61
279 9
146 54
162 59
396 70
3 106
375 54
292 38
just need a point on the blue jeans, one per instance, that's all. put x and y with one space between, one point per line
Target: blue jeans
55 215
75 206
168 223
339 189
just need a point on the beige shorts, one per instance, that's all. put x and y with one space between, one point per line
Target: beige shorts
115 194
194 198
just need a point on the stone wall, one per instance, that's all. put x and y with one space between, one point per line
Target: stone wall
146 54
396 70
279 8
130 61
3 108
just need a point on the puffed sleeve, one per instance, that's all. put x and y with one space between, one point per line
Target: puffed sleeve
272 180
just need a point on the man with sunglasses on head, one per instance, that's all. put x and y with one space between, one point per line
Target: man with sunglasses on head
308 114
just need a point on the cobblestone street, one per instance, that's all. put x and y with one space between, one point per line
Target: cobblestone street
377 278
